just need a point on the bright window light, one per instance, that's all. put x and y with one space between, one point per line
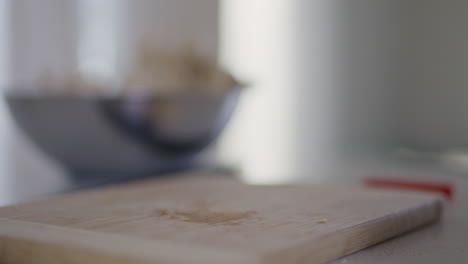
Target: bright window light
255 45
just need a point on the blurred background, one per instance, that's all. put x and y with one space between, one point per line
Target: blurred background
330 88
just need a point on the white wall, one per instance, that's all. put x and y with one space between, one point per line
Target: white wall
4 122
42 40
321 82
405 64
335 76
432 103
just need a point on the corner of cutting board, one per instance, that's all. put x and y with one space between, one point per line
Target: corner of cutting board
358 237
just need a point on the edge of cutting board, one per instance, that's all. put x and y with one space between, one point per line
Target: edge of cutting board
20 240
360 236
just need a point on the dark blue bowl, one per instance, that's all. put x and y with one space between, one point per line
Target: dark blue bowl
125 135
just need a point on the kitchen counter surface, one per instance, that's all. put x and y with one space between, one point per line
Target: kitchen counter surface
443 242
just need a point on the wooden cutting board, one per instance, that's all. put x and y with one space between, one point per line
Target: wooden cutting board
208 220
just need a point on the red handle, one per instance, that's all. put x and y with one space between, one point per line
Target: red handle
443 188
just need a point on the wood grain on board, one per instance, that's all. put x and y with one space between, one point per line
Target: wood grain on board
208 220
